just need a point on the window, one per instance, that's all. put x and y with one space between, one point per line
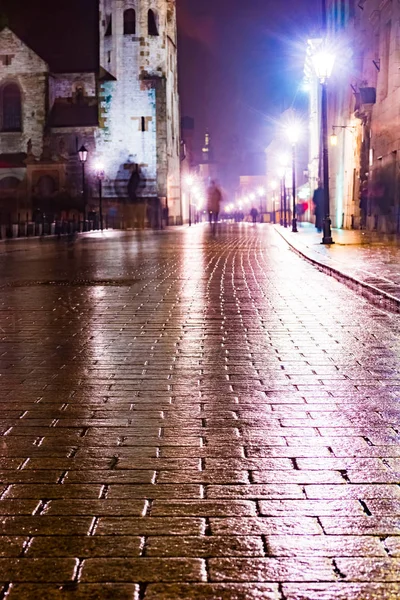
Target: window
152 23
130 22
143 124
108 32
9 183
11 108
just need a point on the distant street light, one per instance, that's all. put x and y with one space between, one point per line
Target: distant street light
99 170
83 156
323 61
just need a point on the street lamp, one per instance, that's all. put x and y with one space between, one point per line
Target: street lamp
99 170
83 156
261 193
190 184
323 61
284 160
274 187
293 134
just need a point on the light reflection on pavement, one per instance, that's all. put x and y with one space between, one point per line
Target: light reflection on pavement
185 416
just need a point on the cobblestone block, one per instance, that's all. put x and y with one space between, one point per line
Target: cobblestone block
204 547
143 569
81 592
212 591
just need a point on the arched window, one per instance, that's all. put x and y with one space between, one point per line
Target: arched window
152 23
130 22
10 108
108 31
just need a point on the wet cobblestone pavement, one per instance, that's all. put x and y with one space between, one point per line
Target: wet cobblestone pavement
194 418
369 257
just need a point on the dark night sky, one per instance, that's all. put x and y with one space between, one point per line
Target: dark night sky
241 61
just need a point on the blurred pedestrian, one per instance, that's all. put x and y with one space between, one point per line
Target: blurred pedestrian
214 199
319 201
363 204
137 204
254 214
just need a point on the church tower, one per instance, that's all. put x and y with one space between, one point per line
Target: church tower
139 102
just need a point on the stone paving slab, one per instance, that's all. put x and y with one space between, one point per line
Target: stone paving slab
194 417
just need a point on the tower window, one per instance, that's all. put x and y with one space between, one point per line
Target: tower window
143 124
152 23
130 22
108 32
10 108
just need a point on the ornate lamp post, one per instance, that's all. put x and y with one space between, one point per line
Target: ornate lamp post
83 156
323 61
100 178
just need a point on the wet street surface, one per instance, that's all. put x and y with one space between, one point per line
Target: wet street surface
369 257
189 417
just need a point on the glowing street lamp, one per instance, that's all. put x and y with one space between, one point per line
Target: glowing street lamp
83 156
323 61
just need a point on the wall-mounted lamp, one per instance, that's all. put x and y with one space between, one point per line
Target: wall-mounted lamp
334 137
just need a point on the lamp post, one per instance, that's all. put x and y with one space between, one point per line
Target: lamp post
100 178
190 184
83 156
293 133
284 160
323 61
261 193
274 187
281 175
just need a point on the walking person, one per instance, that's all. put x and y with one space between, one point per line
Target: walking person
138 204
254 215
319 201
214 198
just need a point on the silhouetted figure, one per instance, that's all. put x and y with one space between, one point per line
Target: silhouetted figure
214 198
254 215
364 204
318 201
137 204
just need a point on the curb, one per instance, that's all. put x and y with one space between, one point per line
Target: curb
377 297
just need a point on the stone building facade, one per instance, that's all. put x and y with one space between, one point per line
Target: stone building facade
364 118
126 113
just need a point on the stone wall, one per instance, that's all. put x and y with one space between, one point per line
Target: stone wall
21 65
65 85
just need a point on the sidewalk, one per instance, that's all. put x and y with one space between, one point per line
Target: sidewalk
364 260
